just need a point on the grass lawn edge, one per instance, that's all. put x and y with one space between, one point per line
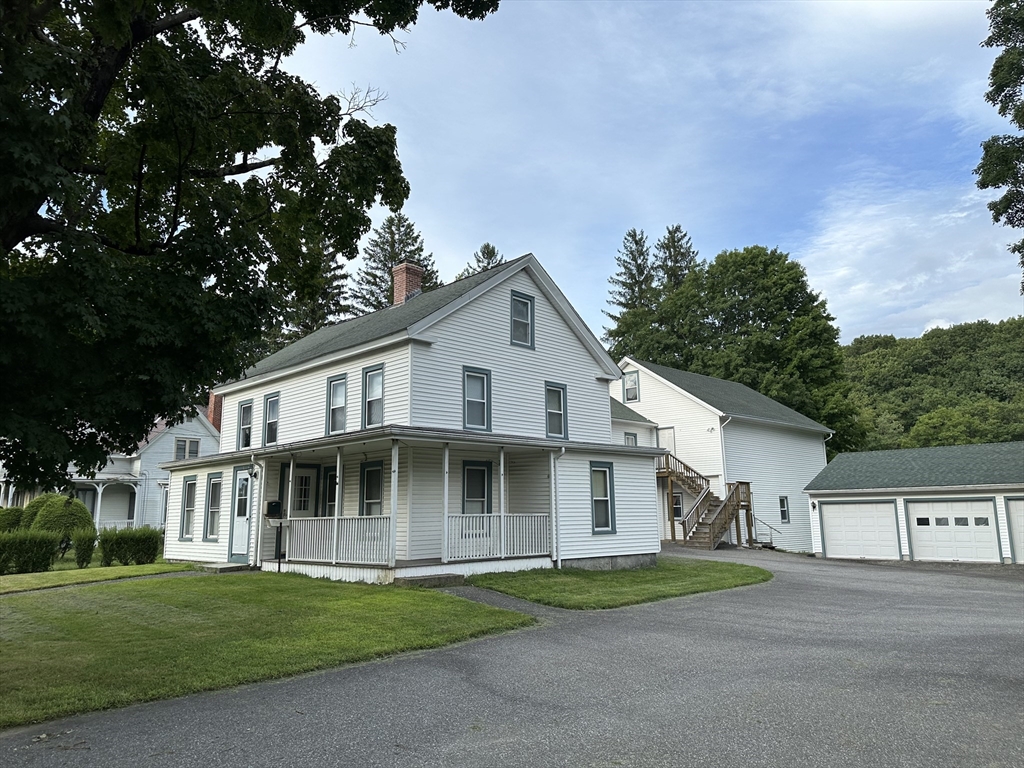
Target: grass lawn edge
17 583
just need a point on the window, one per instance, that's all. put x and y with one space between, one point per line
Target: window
631 387
924 522
270 409
981 521
371 488
522 320
244 425
961 521
213 486
784 508
677 506
188 507
942 521
373 396
241 493
554 406
476 391
185 449
631 438
602 497
331 493
303 494
337 394
476 488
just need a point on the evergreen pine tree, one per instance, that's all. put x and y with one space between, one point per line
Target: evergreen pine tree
317 295
633 292
393 242
674 257
486 258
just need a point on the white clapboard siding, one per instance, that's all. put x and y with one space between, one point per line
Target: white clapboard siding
149 502
302 409
529 484
646 437
198 550
636 507
426 519
776 462
697 437
478 335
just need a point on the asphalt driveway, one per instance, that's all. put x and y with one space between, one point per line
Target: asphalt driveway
829 664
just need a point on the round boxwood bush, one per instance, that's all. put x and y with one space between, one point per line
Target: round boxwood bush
64 516
10 518
28 515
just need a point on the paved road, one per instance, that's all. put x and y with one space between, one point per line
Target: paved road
829 664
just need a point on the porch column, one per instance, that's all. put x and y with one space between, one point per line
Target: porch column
99 501
338 494
553 506
288 513
394 502
444 503
672 511
501 499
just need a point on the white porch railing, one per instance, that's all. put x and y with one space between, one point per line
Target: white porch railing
357 540
478 537
117 525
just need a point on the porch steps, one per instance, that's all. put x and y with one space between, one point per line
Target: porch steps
432 581
224 567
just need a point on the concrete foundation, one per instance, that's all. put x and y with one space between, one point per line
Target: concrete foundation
613 563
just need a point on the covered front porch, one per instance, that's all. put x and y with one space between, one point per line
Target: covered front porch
409 507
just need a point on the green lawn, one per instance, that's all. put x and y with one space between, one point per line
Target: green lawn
586 590
22 582
106 645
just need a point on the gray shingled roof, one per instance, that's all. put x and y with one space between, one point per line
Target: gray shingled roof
732 398
946 466
622 413
376 325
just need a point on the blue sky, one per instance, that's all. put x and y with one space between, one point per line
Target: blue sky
842 133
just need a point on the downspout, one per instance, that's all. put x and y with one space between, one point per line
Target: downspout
140 514
256 518
558 528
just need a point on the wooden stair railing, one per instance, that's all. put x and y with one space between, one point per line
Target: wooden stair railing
736 499
685 475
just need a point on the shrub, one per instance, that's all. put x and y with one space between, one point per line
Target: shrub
28 515
110 547
28 551
10 518
84 540
131 546
63 516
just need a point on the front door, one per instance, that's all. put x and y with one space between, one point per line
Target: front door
240 510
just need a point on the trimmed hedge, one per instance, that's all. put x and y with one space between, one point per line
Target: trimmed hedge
84 541
28 515
130 546
10 518
64 516
28 551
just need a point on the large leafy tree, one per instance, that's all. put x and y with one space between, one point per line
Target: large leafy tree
394 241
633 294
486 258
155 159
1002 160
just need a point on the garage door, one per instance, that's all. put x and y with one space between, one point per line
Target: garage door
860 530
963 531
1015 511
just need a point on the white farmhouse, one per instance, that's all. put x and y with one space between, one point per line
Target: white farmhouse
465 429
725 440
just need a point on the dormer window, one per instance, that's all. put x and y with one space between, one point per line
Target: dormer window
522 320
631 387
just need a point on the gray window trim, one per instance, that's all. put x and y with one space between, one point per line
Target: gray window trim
490 483
533 319
366 372
784 513
606 465
565 410
634 435
624 376
187 442
210 478
379 464
238 425
195 497
277 422
466 371
327 417
339 497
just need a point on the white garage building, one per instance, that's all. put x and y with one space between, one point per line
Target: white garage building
962 503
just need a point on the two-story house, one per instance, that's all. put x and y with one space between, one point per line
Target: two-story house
462 430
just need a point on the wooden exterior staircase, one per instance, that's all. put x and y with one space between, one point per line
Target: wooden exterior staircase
707 522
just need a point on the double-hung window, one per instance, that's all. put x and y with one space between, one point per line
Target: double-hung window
371 488
213 486
337 393
554 411
476 391
522 320
245 425
784 508
602 497
271 405
373 396
188 507
476 488
631 386
185 449
631 438
677 506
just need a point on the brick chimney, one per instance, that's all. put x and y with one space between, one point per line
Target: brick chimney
214 410
408 278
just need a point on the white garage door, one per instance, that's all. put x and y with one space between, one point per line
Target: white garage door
963 531
1015 511
860 530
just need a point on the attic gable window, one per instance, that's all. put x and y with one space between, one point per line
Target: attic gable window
185 449
631 387
522 320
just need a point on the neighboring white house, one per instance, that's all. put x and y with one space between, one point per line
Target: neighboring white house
727 434
954 503
132 490
470 426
